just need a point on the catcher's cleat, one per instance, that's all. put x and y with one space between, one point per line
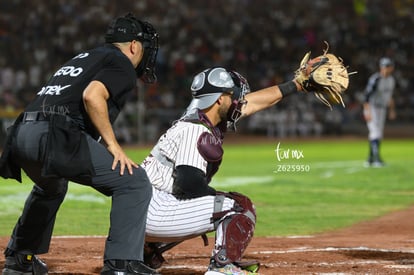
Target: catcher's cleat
232 269
123 267
24 264
229 269
252 266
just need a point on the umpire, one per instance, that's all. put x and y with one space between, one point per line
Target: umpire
66 134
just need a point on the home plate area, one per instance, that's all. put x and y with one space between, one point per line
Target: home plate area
381 246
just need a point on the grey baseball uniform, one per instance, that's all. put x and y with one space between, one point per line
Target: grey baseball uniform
379 92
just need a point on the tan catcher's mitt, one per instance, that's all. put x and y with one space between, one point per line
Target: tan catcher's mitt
325 75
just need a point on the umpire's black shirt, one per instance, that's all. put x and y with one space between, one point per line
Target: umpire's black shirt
62 94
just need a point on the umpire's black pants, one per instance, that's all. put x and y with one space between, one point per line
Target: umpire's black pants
131 195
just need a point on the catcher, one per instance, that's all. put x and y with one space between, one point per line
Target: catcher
187 156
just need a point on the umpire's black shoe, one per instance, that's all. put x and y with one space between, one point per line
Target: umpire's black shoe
122 267
24 264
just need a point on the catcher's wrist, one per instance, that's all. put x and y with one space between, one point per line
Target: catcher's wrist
288 88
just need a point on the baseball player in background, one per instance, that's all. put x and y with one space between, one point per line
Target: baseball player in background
183 162
56 139
378 100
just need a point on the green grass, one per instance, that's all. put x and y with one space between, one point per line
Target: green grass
337 191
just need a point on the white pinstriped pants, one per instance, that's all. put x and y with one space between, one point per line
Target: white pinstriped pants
170 219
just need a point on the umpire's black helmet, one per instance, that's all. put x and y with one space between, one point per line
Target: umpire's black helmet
127 28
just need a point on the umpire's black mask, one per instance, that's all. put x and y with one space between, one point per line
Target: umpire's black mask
128 28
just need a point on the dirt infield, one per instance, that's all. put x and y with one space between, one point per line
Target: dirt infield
381 246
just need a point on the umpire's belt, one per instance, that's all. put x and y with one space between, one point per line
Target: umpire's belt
35 116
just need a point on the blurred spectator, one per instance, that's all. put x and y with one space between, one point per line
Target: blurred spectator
264 40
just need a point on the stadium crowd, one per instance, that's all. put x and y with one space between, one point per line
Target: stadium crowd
264 40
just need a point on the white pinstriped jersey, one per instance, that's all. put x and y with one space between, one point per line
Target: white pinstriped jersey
178 146
168 218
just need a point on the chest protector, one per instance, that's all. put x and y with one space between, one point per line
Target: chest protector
210 143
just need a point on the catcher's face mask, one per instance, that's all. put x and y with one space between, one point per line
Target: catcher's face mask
128 28
210 84
239 91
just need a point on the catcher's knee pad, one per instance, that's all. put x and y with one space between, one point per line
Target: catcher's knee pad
235 232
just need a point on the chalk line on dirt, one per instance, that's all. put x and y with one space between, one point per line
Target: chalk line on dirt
329 249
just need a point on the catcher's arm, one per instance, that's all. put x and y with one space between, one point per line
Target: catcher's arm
324 75
267 97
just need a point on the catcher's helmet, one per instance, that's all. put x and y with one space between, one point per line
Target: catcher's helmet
128 28
211 83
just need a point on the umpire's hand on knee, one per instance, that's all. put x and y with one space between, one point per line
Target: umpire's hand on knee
121 158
